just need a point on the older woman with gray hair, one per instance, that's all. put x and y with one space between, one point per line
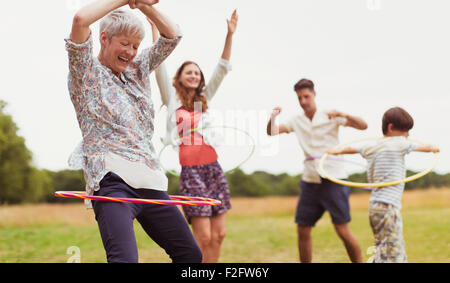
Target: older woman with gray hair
111 96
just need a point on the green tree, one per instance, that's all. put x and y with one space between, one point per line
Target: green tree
38 184
241 184
290 186
14 160
64 180
173 184
19 180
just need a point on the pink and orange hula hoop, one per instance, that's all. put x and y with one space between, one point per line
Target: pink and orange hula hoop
174 200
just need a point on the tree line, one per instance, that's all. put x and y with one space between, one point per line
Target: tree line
21 182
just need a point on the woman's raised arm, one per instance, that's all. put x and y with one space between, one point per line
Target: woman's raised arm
89 14
224 65
232 24
165 26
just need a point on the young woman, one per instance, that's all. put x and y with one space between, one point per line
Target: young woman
112 101
186 98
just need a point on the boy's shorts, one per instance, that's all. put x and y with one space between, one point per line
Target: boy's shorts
315 199
387 227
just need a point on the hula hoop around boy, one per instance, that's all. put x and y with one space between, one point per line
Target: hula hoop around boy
373 185
171 172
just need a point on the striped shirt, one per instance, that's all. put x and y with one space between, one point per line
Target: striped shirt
386 162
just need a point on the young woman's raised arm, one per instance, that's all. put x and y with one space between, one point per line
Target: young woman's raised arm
232 24
224 66
165 89
162 78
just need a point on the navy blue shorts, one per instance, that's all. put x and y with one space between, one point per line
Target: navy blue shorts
315 199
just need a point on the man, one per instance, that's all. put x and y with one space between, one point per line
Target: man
317 131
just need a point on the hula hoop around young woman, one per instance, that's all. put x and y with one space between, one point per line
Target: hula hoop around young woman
253 144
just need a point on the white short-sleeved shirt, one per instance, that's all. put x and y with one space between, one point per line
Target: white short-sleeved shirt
315 138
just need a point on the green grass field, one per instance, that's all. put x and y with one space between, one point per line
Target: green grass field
258 230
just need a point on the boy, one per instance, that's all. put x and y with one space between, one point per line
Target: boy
386 163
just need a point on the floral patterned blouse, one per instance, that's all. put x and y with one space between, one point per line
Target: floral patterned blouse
115 114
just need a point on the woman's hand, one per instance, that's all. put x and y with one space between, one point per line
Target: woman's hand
136 3
232 22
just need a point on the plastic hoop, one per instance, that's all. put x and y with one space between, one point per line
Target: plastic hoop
372 185
213 127
310 158
175 200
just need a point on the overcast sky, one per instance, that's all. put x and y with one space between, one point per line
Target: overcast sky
364 56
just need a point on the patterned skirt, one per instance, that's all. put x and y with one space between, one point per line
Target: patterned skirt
207 181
